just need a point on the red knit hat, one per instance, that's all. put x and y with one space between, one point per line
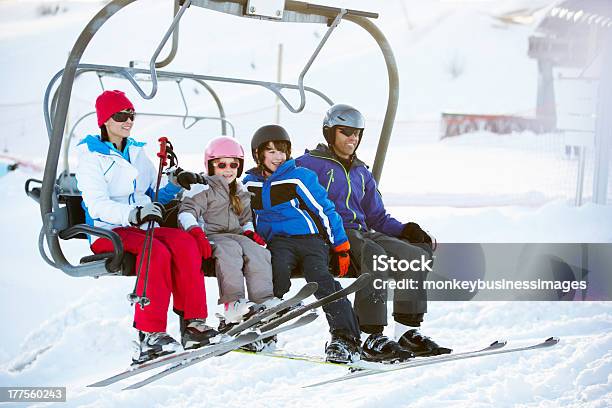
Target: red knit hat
109 103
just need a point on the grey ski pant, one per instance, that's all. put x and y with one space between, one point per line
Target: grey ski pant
371 303
239 259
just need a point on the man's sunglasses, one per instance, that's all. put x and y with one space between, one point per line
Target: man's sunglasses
222 165
350 131
123 116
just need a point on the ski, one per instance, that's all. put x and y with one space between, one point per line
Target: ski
302 321
443 359
357 365
204 352
358 284
306 291
361 364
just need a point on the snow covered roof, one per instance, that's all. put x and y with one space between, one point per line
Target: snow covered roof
572 32
573 17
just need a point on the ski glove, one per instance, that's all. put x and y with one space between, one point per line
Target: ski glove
413 233
145 213
202 240
255 237
185 179
343 258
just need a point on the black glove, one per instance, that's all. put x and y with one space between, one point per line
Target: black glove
413 233
185 179
146 213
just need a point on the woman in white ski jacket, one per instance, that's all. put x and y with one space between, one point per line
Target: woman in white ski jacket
117 181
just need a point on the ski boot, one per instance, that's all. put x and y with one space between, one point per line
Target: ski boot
195 333
380 348
421 346
153 345
342 349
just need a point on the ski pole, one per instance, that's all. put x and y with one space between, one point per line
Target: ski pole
148 242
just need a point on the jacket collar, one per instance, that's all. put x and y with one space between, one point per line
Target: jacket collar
323 150
95 145
217 182
284 168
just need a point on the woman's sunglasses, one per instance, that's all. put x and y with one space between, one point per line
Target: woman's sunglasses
222 165
123 116
347 131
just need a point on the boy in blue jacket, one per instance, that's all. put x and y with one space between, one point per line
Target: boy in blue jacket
295 217
372 233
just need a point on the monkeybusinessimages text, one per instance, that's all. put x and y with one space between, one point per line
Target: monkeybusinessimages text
385 263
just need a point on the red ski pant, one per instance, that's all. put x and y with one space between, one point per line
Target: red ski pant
174 269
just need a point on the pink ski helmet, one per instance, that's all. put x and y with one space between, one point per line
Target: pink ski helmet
223 146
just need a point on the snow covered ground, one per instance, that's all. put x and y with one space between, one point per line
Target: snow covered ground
62 331
68 331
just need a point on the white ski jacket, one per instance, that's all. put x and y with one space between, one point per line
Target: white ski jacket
113 183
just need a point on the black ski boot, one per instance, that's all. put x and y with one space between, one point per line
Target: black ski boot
153 345
195 333
342 349
261 345
421 346
380 348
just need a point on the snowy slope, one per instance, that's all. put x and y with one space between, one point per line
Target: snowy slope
67 331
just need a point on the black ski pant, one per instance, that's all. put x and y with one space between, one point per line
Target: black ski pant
310 253
409 306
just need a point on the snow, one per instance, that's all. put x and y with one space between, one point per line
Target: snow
62 331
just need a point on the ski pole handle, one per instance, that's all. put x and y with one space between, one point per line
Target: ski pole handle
163 154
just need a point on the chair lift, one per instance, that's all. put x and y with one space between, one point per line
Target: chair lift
59 198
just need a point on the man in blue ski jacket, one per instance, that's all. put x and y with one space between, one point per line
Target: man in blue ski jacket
372 233
294 215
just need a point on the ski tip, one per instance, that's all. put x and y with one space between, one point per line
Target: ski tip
250 336
309 317
96 385
313 285
551 341
327 382
498 343
365 276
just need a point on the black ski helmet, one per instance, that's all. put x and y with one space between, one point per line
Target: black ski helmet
268 133
341 115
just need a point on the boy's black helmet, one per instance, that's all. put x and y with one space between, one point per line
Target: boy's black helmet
268 133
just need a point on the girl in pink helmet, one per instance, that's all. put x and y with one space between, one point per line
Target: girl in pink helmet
221 211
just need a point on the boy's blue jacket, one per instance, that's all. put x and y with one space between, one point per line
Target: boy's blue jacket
292 202
354 193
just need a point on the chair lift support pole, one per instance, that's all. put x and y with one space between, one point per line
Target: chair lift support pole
59 122
175 40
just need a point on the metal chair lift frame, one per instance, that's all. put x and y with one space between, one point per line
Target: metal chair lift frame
195 119
55 217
